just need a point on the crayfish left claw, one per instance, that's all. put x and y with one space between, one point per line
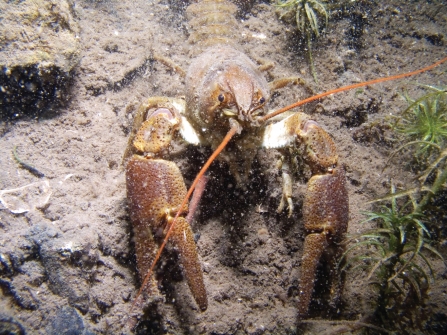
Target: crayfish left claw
325 208
325 212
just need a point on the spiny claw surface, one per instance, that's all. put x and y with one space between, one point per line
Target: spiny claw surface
155 188
326 214
326 203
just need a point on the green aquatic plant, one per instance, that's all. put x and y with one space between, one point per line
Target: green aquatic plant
306 13
424 122
395 248
396 252
307 16
424 127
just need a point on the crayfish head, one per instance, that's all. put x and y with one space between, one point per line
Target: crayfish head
241 94
222 84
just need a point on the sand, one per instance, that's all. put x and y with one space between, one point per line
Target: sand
76 249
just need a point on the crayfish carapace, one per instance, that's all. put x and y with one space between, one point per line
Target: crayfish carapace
225 101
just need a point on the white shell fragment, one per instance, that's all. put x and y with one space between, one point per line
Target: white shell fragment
26 198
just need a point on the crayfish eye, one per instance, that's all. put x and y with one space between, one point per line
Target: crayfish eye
262 100
221 97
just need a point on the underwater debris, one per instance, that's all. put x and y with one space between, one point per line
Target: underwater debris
27 166
26 198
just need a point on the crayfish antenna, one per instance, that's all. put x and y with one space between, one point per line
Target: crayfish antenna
350 87
196 196
199 178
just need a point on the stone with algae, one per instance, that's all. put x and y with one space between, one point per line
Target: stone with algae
39 47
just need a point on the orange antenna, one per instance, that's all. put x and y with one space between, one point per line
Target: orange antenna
196 196
216 152
349 87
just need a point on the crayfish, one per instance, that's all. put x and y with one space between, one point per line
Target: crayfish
225 106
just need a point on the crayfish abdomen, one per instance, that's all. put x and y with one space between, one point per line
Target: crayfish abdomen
212 22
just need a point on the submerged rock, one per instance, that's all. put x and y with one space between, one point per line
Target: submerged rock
67 263
40 47
66 321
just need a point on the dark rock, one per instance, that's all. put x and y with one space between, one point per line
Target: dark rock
68 264
30 89
66 322
6 268
63 278
39 234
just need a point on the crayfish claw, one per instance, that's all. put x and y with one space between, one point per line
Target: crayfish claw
183 239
